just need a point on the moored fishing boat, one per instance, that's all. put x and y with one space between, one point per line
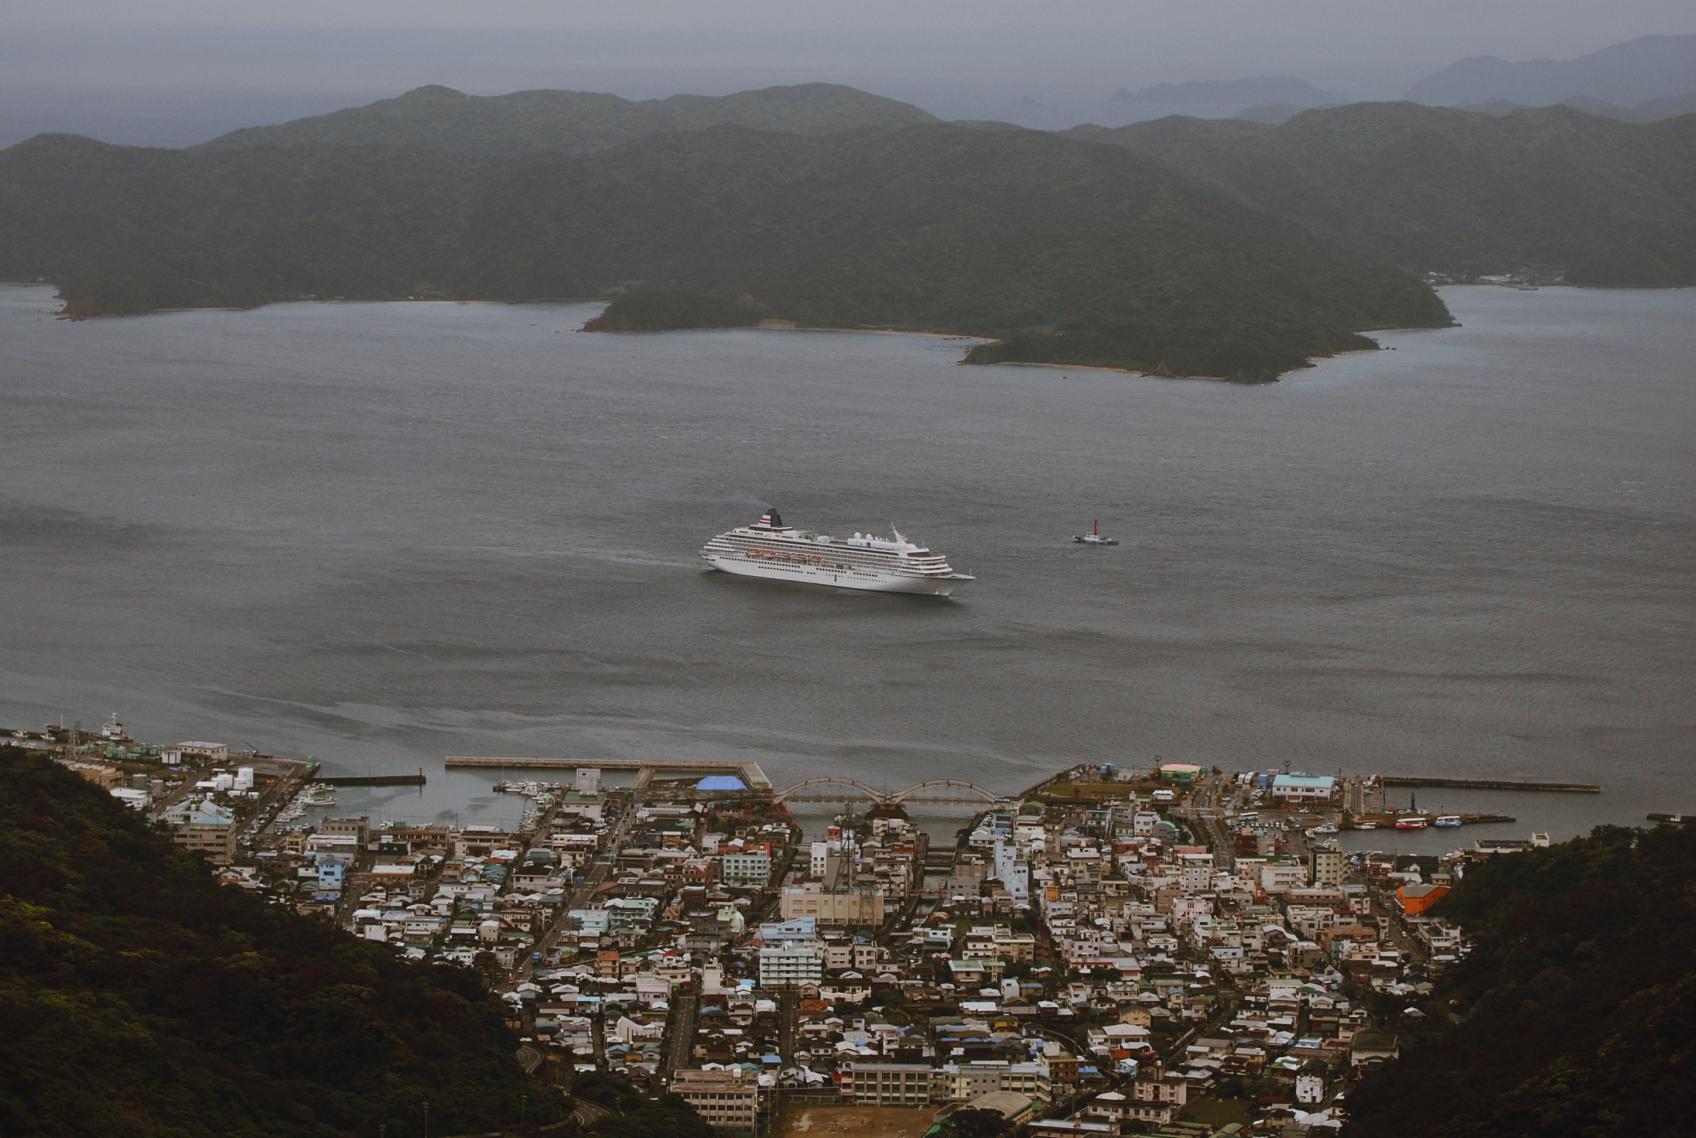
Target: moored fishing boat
1093 537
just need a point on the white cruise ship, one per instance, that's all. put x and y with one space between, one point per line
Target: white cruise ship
768 548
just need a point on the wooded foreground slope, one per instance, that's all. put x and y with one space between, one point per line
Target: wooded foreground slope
141 998
1575 1015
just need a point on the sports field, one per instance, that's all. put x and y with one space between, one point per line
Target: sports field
857 1122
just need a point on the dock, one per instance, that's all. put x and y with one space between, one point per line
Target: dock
375 779
1491 784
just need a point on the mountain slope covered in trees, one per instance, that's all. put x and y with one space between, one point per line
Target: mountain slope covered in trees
1574 1015
1429 188
141 998
1065 251
1181 246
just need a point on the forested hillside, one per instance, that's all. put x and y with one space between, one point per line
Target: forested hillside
1575 1014
1067 251
1179 246
140 998
1429 188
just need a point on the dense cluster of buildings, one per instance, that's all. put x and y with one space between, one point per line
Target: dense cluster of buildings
1174 951
210 800
1080 960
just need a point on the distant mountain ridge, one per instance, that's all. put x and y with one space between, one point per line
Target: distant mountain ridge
441 118
1625 74
1650 110
1263 91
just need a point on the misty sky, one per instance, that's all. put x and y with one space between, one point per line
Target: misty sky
179 71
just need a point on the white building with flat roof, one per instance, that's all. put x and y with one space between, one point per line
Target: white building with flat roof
1301 786
788 964
727 1100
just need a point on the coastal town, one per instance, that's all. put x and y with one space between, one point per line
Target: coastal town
1167 949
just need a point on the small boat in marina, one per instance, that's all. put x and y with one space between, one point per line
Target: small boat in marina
1093 537
1412 822
1446 821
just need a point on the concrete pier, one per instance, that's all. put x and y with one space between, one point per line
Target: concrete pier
1492 784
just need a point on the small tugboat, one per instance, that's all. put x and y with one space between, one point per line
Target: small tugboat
1093 537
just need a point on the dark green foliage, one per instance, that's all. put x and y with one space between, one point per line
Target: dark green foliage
668 1117
971 1123
1577 1009
1185 247
1068 251
655 309
1460 191
141 998
634 1115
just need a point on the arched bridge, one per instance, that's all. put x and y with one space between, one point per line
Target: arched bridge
839 788
808 790
953 790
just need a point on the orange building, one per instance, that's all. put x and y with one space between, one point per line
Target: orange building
1415 899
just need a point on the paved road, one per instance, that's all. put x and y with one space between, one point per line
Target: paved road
578 898
1205 809
587 1113
788 1012
680 1034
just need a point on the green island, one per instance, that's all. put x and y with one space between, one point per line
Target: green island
1178 247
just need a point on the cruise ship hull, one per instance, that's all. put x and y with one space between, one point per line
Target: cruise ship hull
868 580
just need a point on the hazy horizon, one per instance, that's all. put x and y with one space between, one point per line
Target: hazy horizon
182 71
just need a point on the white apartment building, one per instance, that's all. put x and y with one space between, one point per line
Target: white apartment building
790 963
745 868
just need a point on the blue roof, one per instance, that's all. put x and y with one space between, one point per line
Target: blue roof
721 782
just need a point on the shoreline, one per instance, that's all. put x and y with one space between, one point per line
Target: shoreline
774 325
938 334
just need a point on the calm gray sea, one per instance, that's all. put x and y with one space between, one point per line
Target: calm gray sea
385 533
